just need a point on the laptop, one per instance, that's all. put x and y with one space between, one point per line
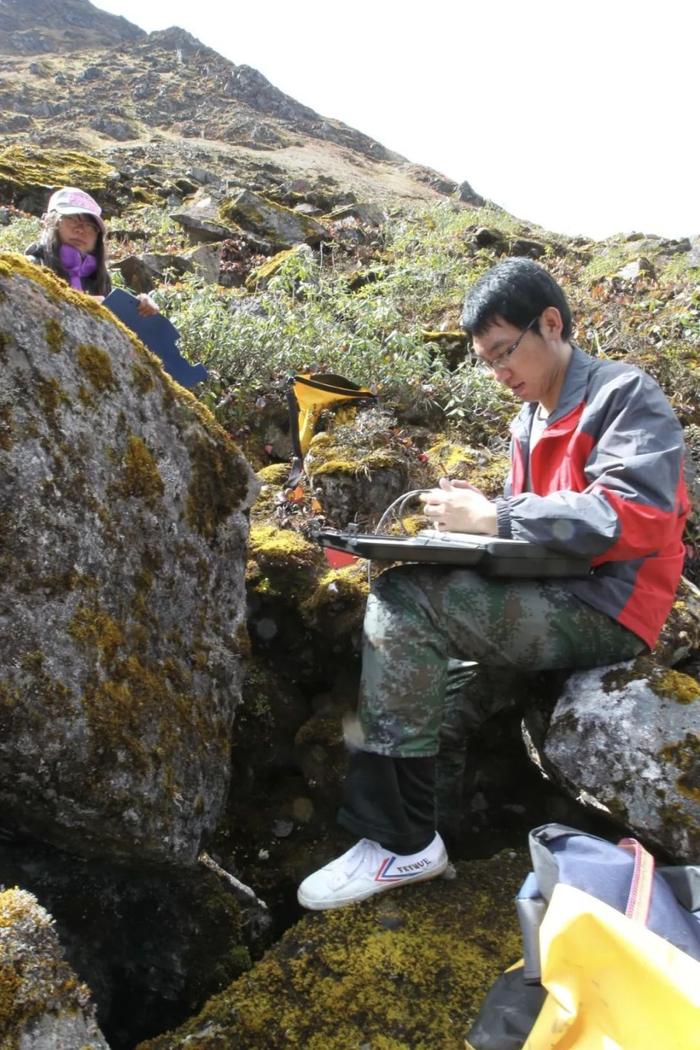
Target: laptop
486 554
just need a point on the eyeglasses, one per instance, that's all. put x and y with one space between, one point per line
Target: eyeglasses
495 364
79 222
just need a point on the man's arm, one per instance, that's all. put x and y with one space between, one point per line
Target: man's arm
635 491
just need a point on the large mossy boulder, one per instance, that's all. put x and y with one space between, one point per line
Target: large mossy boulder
122 608
43 1006
279 225
28 176
626 739
402 971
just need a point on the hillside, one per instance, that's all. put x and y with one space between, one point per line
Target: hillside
277 241
153 106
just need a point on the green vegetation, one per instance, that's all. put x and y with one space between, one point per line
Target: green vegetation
317 316
387 314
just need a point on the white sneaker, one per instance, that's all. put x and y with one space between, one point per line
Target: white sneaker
367 868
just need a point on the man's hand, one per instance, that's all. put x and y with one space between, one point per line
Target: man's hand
458 507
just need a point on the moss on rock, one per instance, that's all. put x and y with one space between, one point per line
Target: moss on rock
97 366
337 604
140 478
35 980
23 166
218 480
404 971
281 561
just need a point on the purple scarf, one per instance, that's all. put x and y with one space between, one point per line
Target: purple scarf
76 265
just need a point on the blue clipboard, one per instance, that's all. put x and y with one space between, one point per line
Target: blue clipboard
158 334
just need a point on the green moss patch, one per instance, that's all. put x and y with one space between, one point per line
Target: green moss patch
337 604
96 365
139 478
405 971
54 335
281 561
24 166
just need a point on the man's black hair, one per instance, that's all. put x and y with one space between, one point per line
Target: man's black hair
515 290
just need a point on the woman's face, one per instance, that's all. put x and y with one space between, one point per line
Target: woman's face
79 231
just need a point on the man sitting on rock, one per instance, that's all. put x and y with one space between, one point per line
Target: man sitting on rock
596 469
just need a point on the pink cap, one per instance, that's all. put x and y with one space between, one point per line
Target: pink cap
71 201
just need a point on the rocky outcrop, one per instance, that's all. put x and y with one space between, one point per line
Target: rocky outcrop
203 222
143 272
39 26
42 1004
168 89
153 944
121 600
281 226
27 176
626 739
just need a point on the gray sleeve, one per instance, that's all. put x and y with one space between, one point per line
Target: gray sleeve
633 472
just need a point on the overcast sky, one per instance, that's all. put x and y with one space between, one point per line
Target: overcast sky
578 115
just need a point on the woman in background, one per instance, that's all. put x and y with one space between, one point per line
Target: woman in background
72 244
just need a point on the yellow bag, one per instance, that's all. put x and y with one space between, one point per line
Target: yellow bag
612 984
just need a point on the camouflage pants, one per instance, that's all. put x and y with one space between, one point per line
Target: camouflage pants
420 620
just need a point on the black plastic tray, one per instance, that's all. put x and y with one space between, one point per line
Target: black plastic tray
485 554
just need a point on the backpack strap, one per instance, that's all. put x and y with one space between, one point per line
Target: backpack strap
639 899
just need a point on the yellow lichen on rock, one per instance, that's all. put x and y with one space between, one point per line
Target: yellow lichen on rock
24 166
36 982
139 477
337 604
403 971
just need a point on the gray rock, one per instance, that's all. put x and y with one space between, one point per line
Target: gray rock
42 1004
119 130
207 259
365 212
143 272
279 225
201 175
626 739
91 73
635 269
121 586
467 195
202 221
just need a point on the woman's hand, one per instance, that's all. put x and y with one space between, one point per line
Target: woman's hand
147 307
456 506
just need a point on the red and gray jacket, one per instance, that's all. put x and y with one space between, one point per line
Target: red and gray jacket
606 480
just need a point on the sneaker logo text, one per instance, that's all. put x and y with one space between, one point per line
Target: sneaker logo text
391 872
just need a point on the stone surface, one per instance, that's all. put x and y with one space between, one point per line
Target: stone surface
143 272
42 1004
626 738
406 969
153 943
202 221
122 597
281 226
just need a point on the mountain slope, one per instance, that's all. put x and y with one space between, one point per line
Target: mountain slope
74 77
